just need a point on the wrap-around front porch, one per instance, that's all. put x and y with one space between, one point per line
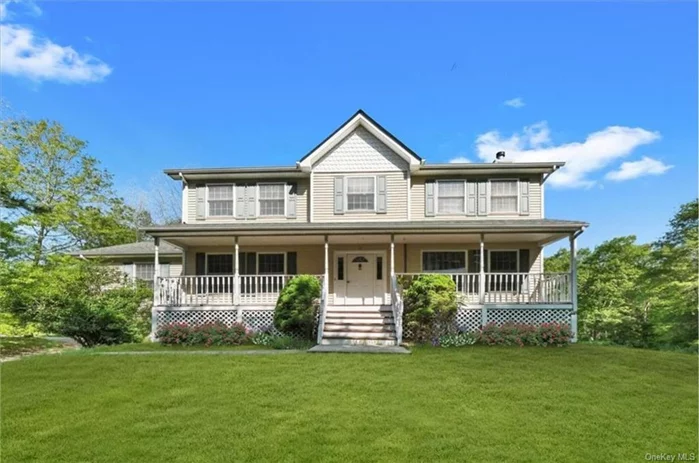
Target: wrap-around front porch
498 277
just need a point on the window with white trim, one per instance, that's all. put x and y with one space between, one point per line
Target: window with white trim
219 264
504 261
270 264
450 197
503 196
144 271
361 193
272 199
220 199
444 261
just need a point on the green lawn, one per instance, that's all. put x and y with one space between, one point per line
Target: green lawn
12 346
583 403
156 347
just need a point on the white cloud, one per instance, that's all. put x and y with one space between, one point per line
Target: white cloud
459 160
27 5
599 149
37 58
634 169
515 102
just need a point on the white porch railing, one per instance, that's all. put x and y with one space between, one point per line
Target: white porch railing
219 290
397 307
509 288
323 308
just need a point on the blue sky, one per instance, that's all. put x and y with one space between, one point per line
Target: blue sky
609 87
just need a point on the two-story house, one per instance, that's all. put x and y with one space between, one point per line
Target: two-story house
364 213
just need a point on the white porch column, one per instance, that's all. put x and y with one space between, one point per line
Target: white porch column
481 281
236 277
393 258
326 273
574 288
156 272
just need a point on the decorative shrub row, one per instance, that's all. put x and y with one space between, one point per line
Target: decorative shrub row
280 341
207 334
512 334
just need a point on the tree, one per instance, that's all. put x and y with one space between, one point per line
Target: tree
53 195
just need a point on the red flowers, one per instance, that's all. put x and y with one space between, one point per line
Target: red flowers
520 334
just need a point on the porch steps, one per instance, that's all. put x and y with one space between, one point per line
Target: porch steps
359 325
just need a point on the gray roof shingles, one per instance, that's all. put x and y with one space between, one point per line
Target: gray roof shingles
146 248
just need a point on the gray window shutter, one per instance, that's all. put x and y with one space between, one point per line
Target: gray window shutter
471 199
339 195
524 197
201 201
251 263
291 200
291 263
482 197
240 201
381 194
251 200
524 260
429 198
200 263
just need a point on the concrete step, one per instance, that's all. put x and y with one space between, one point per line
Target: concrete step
360 308
358 335
343 328
358 318
359 321
357 342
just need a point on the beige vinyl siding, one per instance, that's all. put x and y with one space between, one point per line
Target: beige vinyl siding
417 201
302 192
309 259
324 199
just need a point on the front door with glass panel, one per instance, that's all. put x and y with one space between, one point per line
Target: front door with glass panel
360 279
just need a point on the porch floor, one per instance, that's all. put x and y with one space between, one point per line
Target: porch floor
359 349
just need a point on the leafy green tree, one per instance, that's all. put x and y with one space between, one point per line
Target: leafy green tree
297 306
53 195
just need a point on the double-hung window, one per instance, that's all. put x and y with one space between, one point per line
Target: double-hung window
220 199
361 193
450 197
503 196
145 271
271 199
219 264
270 264
444 261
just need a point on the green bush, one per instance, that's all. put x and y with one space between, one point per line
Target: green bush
458 339
206 334
297 306
430 306
12 326
281 342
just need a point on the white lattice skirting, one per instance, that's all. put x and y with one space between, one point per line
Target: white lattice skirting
255 320
470 319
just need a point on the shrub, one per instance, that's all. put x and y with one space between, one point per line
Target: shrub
12 326
430 306
297 306
206 334
520 334
458 339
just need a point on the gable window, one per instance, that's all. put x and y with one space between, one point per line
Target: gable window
270 264
503 196
450 197
360 193
444 261
145 271
272 199
220 198
219 264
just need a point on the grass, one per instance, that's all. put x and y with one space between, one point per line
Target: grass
582 403
13 346
156 347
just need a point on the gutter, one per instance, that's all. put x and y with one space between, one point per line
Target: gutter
555 168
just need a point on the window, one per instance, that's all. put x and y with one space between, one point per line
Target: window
270 264
379 268
503 261
220 200
145 271
219 264
360 193
444 262
503 196
450 197
340 268
272 199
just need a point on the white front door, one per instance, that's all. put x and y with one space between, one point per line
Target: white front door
360 279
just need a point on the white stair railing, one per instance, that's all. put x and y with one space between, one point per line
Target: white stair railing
323 307
397 308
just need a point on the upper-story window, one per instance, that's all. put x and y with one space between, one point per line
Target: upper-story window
503 196
220 200
271 199
450 197
361 193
